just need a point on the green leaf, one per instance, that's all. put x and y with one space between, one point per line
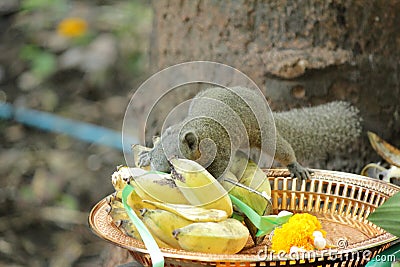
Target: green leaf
387 216
265 224
44 64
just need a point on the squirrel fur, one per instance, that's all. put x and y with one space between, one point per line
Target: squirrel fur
222 120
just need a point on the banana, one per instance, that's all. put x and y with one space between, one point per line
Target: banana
136 203
255 179
162 223
122 176
252 177
154 186
116 209
250 174
158 186
239 163
128 228
199 187
191 213
226 237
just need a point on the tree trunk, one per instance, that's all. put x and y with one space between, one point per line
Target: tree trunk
299 53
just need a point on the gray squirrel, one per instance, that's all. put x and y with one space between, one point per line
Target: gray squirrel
222 120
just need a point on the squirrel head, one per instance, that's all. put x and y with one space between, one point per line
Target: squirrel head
174 143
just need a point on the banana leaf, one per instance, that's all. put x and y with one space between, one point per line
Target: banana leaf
387 216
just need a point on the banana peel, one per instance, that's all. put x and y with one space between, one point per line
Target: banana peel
387 151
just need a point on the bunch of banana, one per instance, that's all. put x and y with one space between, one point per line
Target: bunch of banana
195 229
120 217
189 209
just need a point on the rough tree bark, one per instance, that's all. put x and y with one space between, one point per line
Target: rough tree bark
300 53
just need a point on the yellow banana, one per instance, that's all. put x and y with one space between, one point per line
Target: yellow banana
158 186
255 179
122 176
239 163
199 187
129 229
136 203
192 213
116 209
226 237
154 186
249 174
162 223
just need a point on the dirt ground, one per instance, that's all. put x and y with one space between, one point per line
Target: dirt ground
50 181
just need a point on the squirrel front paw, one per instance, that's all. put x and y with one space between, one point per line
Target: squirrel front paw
144 158
296 170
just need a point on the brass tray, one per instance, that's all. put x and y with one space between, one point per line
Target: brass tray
341 201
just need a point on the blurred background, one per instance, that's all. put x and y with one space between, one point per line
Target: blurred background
79 60
83 60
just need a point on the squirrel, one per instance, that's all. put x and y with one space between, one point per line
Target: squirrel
221 120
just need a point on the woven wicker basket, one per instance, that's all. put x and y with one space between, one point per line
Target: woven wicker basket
341 201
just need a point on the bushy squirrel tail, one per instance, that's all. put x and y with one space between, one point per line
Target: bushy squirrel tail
315 131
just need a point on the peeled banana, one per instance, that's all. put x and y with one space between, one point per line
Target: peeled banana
226 237
199 187
162 223
192 213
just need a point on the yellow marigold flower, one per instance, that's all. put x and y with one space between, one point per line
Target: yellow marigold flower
298 231
72 27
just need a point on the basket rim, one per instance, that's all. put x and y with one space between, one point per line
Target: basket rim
134 245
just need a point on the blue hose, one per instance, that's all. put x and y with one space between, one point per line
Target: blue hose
49 122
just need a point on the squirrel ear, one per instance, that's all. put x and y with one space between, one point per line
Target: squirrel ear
191 139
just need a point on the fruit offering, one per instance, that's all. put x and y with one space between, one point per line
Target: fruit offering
188 208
